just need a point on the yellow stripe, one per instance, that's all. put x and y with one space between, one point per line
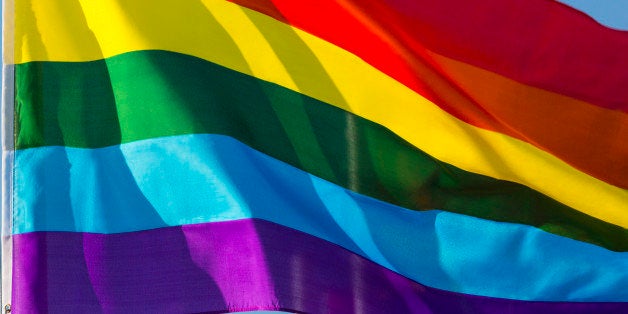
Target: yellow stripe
254 44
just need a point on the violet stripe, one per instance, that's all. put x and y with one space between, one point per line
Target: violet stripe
237 265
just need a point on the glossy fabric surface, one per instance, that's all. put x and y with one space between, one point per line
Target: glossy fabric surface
405 156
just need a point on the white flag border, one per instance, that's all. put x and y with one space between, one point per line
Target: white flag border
8 150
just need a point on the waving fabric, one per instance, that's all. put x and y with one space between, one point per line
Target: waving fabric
314 156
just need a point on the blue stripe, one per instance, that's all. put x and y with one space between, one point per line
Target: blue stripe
206 178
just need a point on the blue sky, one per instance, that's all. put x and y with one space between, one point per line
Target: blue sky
613 13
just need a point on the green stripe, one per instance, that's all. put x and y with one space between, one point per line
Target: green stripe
148 94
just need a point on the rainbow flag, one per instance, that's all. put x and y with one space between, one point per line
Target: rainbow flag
313 156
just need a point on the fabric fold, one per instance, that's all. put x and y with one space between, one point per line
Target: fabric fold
206 267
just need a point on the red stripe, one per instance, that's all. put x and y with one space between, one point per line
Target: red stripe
537 42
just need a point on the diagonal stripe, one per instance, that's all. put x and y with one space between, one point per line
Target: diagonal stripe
315 68
169 270
583 135
104 103
587 137
215 178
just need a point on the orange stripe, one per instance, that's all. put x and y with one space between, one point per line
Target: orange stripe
588 137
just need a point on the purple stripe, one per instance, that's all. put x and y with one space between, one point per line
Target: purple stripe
228 266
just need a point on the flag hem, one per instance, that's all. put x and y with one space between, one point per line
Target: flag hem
7 124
